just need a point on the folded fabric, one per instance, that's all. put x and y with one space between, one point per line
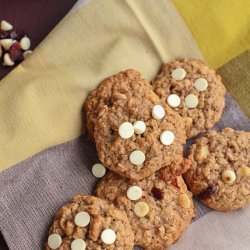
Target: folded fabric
41 106
45 94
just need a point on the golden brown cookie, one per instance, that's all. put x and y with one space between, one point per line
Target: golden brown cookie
220 170
158 211
136 157
193 90
109 91
136 135
90 223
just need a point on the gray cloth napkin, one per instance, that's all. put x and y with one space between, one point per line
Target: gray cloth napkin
32 191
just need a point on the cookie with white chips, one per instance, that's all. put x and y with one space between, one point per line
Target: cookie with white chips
194 90
90 223
158 211
220 172
111 89
137 135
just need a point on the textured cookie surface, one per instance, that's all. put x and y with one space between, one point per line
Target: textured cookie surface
170 207
200 93
108 91
102 216
115 152
220 170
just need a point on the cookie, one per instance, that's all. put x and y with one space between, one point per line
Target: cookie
109 90
159 211
220 170
137 136
193 90
90 223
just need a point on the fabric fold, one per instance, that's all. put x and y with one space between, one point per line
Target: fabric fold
41 100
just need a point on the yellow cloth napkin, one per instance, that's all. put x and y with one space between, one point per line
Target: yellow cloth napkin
41 100
220 27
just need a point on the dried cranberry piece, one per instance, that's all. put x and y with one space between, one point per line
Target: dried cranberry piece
17 34
157 193
16 53
4 34
207 192
175 183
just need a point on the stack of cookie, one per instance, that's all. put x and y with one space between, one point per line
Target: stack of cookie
139 130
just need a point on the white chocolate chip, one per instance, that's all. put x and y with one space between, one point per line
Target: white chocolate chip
7 60
6 26
184 201
201 153
137 157
78 244
25 43
179 74
191 101
158 112
27 53
167 137
139 127
98 170
173 100
82 219
243 171
201 84
126 130
134 193
6 43
54 241
108 236
228 176
141 209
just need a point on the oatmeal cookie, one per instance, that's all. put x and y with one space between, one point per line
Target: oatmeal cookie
90 223
137 136
113 88
158 211
220 170
194 90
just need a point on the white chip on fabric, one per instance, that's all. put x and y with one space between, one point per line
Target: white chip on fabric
191 101
137 157
158 112
108 236
6 26
201 84
139 127
78 244
134 193
179 74
98 170
167 137
54 241
126 130
173 100
25 43
82 219
141 209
